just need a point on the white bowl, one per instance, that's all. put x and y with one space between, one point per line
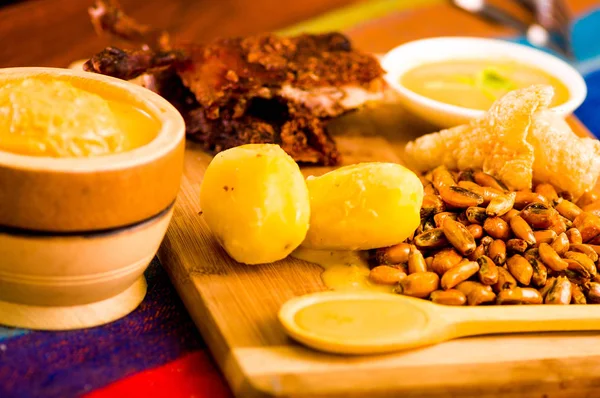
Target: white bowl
407 56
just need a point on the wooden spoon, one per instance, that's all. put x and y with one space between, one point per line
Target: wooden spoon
369 323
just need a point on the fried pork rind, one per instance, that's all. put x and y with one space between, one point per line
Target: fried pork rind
519 140
569 162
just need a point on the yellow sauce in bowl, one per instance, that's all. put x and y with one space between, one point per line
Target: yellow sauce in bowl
477 83
53 118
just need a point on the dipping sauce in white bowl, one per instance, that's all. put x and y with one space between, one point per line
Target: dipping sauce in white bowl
451 80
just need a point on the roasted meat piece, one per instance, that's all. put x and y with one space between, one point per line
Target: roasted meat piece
256 89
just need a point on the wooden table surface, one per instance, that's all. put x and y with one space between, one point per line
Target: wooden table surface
58 32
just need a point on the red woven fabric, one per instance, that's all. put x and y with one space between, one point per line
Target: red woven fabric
192 376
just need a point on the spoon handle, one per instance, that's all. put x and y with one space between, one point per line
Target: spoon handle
525 318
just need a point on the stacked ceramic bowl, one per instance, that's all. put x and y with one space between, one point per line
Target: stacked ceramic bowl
77 233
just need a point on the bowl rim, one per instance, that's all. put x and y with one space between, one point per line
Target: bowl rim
172 127
567 74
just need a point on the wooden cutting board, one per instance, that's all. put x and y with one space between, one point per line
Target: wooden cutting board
235 305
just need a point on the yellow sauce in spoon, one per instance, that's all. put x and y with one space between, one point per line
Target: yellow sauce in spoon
359 320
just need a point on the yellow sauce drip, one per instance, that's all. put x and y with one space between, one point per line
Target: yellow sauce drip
43 117
343 270
477 83
359 320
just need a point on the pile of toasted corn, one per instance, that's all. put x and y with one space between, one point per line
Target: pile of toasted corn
478 243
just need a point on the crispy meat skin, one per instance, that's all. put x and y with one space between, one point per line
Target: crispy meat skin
245 90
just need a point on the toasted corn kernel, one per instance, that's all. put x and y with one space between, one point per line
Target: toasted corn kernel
549 284
397 254
429 189
587 199
567 222
516 246
432 204
565 195
438 219
475 230
584 260
592 292
462 218
576 274
520 268
467 286
540 272
476 215
497 251
460 197
478 252
559 226
428 225
539 215
386 275
561 244
431 239
429 262
466 175
574 236
567 209
510 214
449 297
488 271
441 177
487 180
480 295
444 260
551 258
486 193
588 225
487 241
416 261
560 292
547 191
523 198
595 248
497 228
519 295
460 273
585 249
544 236
459 236
424 180
534 252
522 230
577 296
501 204
418 285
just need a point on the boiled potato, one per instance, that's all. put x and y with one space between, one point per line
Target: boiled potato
363 206
254 199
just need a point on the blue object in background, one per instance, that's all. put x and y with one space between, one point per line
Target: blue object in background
585 34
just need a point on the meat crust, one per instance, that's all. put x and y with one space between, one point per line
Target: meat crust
255 89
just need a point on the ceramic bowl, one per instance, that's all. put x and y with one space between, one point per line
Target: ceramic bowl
407 56
90 194
76 234
72 281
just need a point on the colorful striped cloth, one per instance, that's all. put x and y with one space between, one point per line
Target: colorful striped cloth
157 344
156 351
